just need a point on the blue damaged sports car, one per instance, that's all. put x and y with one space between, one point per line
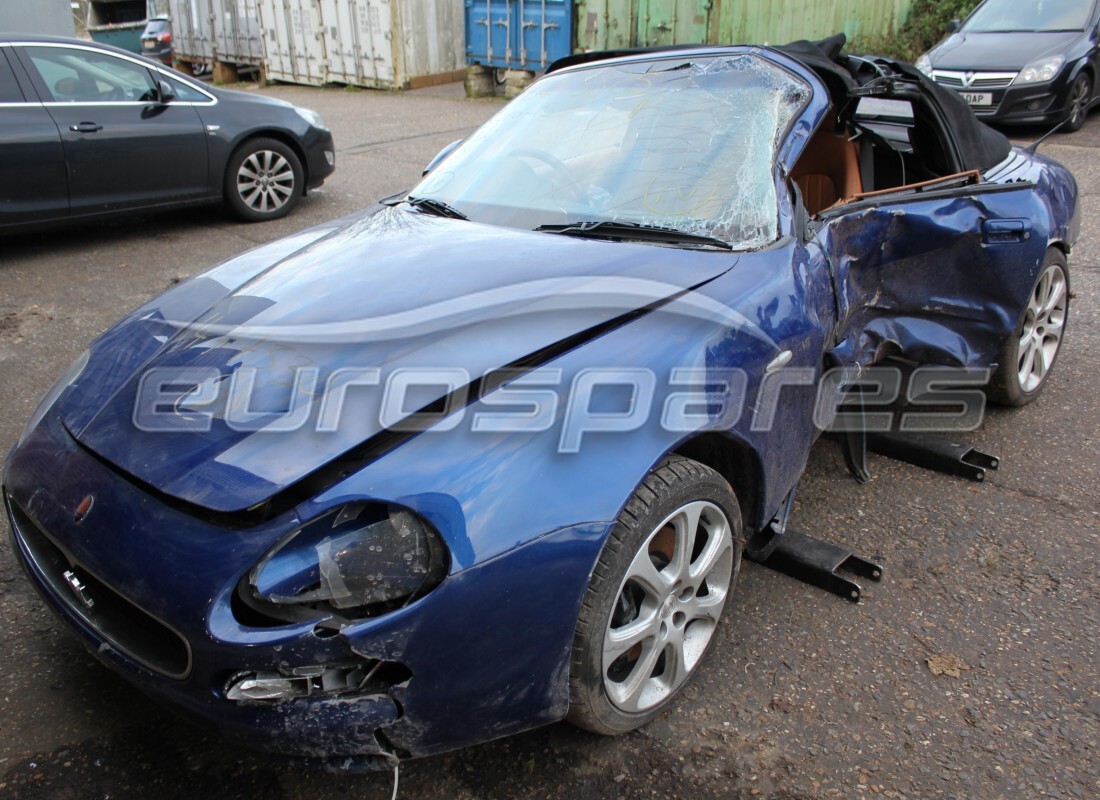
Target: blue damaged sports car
488 455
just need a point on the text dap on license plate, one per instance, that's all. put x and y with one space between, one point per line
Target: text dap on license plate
149 44
978 98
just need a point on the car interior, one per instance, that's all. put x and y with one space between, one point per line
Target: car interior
880 145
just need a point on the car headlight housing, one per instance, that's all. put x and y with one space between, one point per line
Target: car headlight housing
312 117
1041 70
360 560
924 64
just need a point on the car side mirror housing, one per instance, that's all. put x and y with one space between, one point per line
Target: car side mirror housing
442 154
954 25
165 91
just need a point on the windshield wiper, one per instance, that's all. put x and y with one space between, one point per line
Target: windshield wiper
435 207
634 232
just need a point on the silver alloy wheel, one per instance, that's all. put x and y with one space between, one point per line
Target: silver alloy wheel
265 181
668 606
1044 323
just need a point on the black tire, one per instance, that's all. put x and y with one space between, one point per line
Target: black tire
264 180
617 601
1077 105
1036 336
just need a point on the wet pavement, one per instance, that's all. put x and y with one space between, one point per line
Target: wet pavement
803 695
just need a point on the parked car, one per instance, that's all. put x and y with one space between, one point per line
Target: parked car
1023 63
156 40
488 455
91 131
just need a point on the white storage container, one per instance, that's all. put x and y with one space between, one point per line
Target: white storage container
376 43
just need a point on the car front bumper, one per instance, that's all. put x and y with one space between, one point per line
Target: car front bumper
483 655
1024 105
320 157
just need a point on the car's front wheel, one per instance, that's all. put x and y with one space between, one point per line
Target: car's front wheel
1028 356
1077 107
655 597
263 180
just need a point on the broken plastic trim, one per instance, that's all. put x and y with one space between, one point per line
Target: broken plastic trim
360 560
315 681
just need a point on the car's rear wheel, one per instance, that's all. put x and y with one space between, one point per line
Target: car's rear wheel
655 597
1028 357
263 180
1077 107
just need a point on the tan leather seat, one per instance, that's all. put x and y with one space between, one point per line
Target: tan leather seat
827 171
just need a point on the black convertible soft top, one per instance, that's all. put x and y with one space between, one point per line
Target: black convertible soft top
979 146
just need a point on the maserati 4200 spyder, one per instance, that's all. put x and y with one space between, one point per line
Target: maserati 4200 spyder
488 454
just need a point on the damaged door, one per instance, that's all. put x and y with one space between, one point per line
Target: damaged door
939 277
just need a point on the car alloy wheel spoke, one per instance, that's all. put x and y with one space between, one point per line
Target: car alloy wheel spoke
1054 302
636 692
656 582
639 632
686 524
674 589
718 545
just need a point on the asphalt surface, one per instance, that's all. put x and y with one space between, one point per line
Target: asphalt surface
802 696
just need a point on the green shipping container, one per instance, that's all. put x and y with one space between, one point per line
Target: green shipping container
612 24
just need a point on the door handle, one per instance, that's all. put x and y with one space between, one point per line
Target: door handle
85 127
1006 231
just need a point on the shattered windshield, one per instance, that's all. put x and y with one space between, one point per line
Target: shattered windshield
681 144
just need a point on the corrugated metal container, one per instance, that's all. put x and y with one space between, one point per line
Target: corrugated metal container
518 34
216 30
192 30
294 50
357 36
53 17
236 31
609 24
375 43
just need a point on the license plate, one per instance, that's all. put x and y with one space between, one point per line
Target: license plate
148 44
978 98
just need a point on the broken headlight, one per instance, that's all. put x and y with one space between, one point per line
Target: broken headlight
359 560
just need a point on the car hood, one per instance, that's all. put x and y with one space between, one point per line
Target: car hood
394 292
991 52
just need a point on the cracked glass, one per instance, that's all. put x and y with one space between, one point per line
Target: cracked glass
685 144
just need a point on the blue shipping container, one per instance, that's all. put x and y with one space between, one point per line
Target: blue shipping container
518 34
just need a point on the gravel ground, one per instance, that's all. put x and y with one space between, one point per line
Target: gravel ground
993 586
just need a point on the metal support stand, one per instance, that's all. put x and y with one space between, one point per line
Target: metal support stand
816 562
931 452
